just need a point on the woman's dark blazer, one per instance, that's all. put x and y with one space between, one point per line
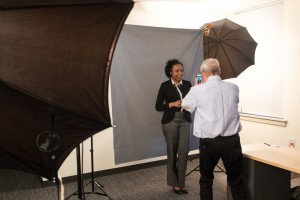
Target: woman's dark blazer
168 93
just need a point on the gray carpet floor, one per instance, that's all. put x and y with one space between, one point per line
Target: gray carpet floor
143 184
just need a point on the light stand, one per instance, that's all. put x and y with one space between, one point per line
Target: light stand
79 177
93 182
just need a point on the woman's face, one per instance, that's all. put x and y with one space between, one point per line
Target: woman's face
177 72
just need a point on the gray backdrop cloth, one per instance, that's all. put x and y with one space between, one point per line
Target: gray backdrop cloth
136 74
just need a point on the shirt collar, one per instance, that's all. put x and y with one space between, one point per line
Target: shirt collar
173 83
215 77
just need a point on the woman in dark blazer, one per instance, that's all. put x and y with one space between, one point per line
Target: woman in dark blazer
175 124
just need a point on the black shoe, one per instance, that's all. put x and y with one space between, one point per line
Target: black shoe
177 191
184 191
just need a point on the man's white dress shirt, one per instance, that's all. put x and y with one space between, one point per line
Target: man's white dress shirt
215 103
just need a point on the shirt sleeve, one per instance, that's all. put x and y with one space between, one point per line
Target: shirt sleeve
160 100
189 102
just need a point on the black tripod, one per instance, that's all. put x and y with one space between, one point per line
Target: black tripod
197 168
80 191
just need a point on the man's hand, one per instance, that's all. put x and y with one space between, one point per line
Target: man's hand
196 81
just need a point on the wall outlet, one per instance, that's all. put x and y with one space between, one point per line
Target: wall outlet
291 142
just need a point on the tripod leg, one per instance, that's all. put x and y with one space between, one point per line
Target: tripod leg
195 169
220 168
196 156
92 176
101 188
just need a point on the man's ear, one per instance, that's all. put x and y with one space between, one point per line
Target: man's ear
204 76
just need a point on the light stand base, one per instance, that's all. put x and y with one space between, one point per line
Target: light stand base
100 186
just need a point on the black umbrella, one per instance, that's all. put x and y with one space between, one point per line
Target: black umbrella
231 44
54 72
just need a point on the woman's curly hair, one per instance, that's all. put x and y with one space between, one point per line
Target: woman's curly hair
169 66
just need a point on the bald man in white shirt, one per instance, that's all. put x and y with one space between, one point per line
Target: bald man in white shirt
217 124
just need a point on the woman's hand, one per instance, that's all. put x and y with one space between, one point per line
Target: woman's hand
176 104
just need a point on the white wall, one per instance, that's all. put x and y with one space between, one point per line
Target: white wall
288 71
262 82
191 15
291 70
176 14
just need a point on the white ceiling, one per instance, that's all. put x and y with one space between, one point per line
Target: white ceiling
226 5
